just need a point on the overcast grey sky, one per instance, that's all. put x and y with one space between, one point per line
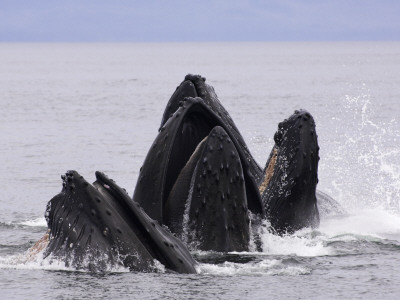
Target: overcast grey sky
204 20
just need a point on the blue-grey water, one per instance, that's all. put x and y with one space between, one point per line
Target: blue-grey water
95 107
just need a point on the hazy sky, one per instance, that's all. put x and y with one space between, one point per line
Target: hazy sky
203 20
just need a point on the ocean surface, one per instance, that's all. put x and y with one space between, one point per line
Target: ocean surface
95 107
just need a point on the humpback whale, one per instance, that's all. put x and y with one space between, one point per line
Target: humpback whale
288 187
199 188
96 226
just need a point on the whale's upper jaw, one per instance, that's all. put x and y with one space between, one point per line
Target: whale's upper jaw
186 89
195 86
289 195
97 226
192 86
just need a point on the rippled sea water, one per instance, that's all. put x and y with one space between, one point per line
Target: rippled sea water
95 107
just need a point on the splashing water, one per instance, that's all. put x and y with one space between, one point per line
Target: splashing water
362 156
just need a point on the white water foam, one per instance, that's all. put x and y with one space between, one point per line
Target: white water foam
38 222
301 243
31 260
27 261
263 267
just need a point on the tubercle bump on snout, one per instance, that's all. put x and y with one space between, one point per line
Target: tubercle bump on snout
195 78
68 180
299 120
71 181
199 82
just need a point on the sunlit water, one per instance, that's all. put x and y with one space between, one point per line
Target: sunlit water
98 107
